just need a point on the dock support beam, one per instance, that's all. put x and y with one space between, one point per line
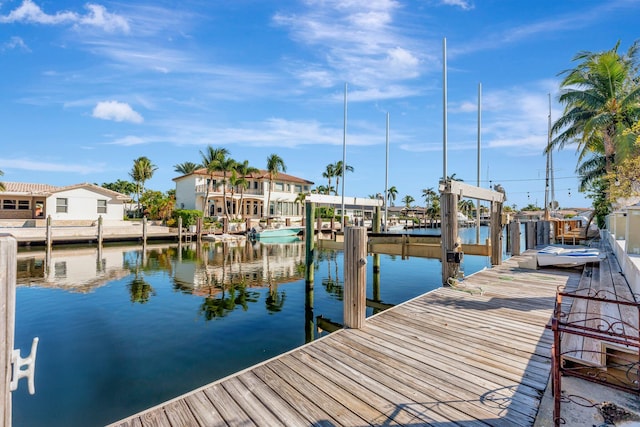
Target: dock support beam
310 210
449 213
8 269
144 230
355 276
496 233
48 235
514 235
100 231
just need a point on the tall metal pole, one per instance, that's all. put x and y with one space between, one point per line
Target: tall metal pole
546 180
478 177
344 154
386 176
444 109
553 191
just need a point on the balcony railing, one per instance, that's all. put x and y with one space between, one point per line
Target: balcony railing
217 189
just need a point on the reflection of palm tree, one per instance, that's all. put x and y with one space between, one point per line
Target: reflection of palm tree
140 290
275 299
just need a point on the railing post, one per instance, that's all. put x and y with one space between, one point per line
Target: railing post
8 269
355 276
496 233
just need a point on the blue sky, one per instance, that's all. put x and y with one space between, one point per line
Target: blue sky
88 87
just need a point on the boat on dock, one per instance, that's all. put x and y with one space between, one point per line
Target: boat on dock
556 256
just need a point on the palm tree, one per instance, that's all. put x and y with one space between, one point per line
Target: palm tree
600 98
428 194
185 168
2 186
244 169
407 200
329 173
142 171
392 192
211 160
226 164
275 165
338 172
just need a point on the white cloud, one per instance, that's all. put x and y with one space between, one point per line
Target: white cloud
462 4
15 43
117 111
32 165
129 140
354 41
97 16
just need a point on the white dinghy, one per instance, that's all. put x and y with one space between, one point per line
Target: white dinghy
564 257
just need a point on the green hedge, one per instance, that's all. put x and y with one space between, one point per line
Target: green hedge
189 216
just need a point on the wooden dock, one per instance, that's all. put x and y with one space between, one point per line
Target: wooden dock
477 354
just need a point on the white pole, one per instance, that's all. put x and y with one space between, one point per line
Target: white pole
444 109
553 191
478 177
386 177
344 154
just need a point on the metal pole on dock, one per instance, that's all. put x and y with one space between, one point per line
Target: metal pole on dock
386 178
478 171
444 109
144 230
100 231
310 211
8 269
344 156
355 276
48 234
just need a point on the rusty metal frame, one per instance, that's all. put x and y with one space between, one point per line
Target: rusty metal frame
606 330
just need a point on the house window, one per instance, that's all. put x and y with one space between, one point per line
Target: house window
9 204
102 206
279 186
62 205
24 205
255 185
298 188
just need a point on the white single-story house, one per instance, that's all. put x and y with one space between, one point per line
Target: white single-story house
79 202
250 202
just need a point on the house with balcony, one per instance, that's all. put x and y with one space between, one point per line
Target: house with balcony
70 205
202 191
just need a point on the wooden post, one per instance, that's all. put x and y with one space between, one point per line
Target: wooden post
199 229
100 231
515 237
449 215
310 210
225 225
543 232
179 229
496 233
375 223
144 230
48 235
8 269
355 276
530 235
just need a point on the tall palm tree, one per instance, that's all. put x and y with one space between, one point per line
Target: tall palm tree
185 168
142 171
227 165
275 165
338 172
600 97
329 173
428 194
245 170
211 161
392 192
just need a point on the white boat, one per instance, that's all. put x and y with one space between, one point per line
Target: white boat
275 232
567 257
395 228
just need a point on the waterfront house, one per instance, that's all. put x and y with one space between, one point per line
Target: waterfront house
67 205
250 202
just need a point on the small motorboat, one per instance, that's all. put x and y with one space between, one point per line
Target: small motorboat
557 256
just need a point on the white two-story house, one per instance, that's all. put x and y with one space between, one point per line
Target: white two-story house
249 202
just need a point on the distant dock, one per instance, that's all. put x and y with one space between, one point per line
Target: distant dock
472 355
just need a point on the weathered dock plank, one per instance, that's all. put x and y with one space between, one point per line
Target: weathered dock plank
461 358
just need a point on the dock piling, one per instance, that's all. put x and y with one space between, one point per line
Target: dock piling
355 276
8 269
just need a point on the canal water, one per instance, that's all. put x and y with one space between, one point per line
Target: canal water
123 329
